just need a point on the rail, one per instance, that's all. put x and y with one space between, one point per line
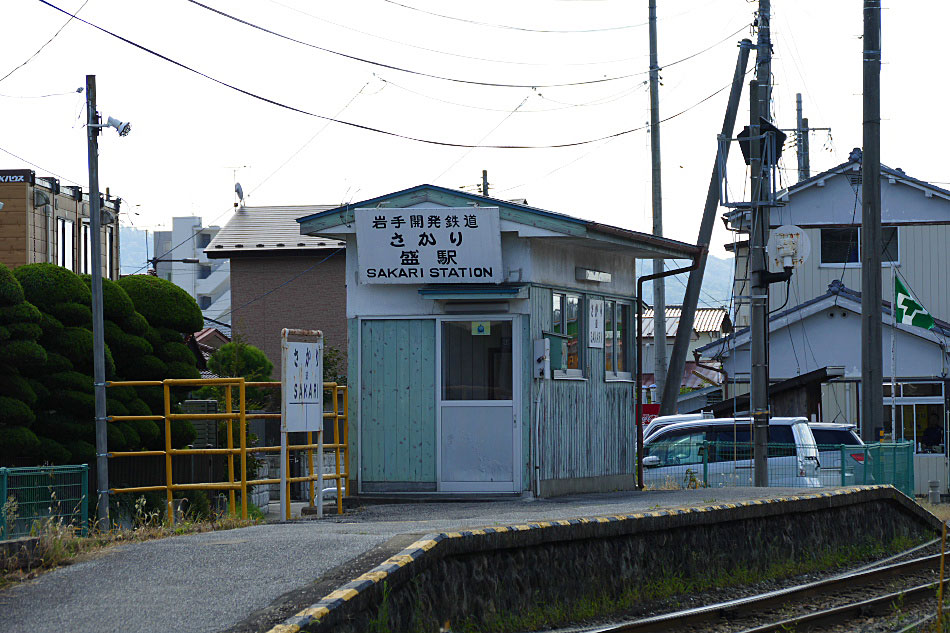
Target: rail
339 446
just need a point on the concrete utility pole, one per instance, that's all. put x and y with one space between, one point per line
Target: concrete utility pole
485 182
758 238
659 288
98 343
801 136
872 362
695 282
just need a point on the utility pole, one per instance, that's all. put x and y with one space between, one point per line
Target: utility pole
695 282
872 362
659 288
759 109
801 136
98 343
485 182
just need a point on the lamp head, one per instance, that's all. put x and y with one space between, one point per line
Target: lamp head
122 128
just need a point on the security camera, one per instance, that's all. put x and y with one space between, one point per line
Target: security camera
122 128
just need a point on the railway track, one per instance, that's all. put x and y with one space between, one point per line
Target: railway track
756 614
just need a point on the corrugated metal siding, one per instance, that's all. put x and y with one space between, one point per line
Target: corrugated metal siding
923 263
706 320
397 398
587 426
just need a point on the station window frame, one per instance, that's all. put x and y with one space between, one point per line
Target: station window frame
617 357
560 324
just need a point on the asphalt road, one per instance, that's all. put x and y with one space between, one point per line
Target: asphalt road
215 580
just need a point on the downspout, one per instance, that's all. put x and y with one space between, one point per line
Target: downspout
638 409
719 370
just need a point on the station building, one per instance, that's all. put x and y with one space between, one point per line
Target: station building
450 298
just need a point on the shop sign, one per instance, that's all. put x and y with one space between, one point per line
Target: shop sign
429 245
595 323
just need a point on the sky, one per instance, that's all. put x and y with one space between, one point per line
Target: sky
192 137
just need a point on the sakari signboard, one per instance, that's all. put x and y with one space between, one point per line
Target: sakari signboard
429 245
302 374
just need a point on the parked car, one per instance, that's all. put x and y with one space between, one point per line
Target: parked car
830 438
662 421
673 455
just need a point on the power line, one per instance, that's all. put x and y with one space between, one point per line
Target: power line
419 73
515 28
48 42
49 171
54 94
440 52
367 127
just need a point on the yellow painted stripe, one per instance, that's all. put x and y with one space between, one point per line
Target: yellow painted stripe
400 560
425 545
545 524
341 594
314 612
375 576
285 628
478 531
453 534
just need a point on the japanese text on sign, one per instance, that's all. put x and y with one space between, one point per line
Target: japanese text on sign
303 385
429 245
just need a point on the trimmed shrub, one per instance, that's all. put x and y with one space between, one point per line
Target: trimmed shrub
75 314
40 389
22 354
183 433
16 441
114 407
135 324
116 438
241 359
147 430
116 303
162 303
64 427
21 312
56 363
52 451
132 439
11 293
169 335
177 352
75 403
81 452
24 331
73 380
138 407
46 285
17 387
147 368
14 413
50 324
182 370
4 333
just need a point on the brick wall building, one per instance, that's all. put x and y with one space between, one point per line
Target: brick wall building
281 279
42 221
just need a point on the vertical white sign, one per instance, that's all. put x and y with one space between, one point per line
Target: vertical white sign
595 323
303 385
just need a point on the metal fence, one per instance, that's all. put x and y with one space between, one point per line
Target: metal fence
685 464
33 495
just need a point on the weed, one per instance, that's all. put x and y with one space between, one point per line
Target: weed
380 624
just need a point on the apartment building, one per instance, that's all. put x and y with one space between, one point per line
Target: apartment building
43 221
207 280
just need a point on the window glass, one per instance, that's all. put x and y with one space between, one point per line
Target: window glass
476 360
679 448
929 422
623 318
839 246
66 240
835 437
110 245
572 323
557 314
609 336
921 389
889 238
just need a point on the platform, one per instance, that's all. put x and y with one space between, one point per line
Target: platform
252 579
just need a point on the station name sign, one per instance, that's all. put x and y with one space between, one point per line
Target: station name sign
429 245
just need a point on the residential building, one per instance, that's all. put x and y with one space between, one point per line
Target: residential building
43 221
280 278
208 281
815 320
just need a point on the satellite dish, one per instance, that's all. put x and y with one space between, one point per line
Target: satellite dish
789 246
239 191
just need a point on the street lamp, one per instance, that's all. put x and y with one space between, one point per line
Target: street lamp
154 261
93 125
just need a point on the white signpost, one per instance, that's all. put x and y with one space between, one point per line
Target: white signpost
595 320
429 245
301 408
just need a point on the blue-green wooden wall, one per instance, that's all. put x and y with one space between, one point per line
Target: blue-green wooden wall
397 401
587 426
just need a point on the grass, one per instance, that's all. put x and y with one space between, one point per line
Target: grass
60 543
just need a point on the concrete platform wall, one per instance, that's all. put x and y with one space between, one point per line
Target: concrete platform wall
485 576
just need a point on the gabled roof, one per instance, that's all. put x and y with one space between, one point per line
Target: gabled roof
323 222
706 320
838 295
267 230
854 161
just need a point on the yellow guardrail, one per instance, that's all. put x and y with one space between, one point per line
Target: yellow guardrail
339 446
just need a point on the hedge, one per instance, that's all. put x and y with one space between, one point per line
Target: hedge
22 354
11 293
46 285
162 303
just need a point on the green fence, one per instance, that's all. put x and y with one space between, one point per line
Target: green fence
683 462
32 495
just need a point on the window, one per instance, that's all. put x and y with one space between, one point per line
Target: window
204 239
843 245
204 271
616 346
110 245
204 302
678 448
566 321
476 360
85 246
64 239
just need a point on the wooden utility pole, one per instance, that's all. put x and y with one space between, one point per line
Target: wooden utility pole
659 288
872 362
759 100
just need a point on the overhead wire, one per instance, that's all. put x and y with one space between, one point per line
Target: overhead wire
447 53
48 42
54 94
516 28
369 128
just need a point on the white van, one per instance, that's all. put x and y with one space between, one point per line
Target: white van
662 421
831 437
673 456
